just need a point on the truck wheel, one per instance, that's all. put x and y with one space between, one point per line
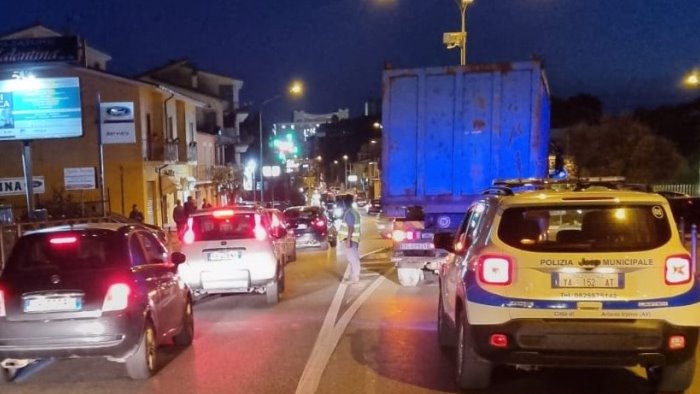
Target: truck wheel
672 378
409 277
272 294
446 337
143 363
473 372
186 334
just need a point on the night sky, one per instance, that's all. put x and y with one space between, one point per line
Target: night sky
627 52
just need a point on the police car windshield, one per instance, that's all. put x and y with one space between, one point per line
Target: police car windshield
618 228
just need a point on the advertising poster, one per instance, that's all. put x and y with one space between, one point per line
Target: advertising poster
40 108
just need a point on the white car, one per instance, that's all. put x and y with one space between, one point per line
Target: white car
233 250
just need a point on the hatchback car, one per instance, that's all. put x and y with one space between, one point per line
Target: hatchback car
233 250
92 290
569 274
312 227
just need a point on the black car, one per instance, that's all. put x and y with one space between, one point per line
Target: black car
312 227
92 290
374 206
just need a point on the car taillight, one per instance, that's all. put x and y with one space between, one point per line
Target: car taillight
398 235
678 270
2 303
188 237
260 233
117 297
320 223
495 270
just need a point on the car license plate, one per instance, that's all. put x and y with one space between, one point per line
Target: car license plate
302 226
52 304
415 246
224 255
590 280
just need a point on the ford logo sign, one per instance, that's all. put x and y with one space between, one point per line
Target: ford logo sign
118 111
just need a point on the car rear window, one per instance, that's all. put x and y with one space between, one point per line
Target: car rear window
66 251
237 226
308 213
585 228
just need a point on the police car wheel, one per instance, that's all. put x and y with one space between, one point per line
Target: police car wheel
446 337
473 372
675 378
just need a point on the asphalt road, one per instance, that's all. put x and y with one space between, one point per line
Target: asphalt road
323 337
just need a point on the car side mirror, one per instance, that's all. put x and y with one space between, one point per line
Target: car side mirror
178 258
444 241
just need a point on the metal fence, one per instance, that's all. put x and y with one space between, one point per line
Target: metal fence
691 189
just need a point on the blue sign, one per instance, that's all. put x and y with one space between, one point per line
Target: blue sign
33 108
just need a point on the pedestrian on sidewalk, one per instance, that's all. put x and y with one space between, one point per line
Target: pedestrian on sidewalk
349 233
135 214
180 218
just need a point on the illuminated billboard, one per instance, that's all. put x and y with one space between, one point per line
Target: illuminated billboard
40 108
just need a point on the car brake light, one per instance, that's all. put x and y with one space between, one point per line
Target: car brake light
63 240
398 235
495 270
678 270
320 223
498 340
222 213
188 238
117 297
2 303
260 233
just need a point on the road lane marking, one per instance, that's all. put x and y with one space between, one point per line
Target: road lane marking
330 333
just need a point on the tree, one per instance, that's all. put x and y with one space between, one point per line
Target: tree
581 108
623 146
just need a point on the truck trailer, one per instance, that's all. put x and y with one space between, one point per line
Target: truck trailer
448 132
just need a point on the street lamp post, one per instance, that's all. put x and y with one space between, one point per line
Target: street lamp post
296 89
345 168
454 40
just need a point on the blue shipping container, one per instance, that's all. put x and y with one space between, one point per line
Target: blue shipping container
449 131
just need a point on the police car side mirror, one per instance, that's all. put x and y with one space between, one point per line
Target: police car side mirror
444 241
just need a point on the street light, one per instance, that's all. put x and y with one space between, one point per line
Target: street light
295 89
692 80
459 39
345 168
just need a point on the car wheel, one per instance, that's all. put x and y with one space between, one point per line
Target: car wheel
142 364
186 334
272 294
672 378
446 335
473 372
281 280
7 375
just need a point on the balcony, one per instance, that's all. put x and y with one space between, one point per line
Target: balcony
192 152
171 151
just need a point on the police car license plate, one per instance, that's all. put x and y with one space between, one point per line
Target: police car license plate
415 246
590 280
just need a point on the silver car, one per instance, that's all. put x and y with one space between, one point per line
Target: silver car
233 250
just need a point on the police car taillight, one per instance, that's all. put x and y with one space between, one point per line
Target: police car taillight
188 237
495 270
2 303
678 270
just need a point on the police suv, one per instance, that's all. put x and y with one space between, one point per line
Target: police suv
579 272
